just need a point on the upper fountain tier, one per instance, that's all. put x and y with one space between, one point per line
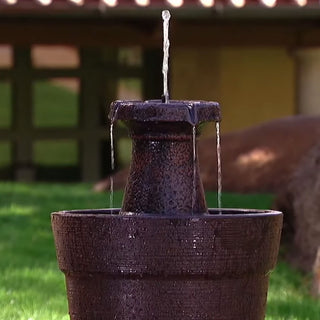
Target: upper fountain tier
193 112
164 174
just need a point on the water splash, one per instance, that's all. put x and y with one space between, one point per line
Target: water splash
194 159
166 44
219 166
112 164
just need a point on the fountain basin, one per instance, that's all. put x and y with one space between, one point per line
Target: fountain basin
144 267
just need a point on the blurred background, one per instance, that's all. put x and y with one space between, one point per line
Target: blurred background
63 61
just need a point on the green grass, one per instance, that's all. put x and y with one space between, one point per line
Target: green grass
55 153
234 200
32 287
54 106
288 297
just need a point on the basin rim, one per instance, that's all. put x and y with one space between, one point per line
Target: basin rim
226 213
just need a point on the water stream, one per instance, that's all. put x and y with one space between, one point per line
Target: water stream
112 164
166 44
194 151
219 166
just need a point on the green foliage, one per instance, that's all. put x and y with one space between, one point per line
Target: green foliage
32 287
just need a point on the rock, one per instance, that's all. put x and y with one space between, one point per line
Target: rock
119 181
258 159
315 291
300 202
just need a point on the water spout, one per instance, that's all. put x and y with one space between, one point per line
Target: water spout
166 44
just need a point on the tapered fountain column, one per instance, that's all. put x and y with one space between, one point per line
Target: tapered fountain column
164 175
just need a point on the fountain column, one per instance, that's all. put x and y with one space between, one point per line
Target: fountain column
308 79
164 175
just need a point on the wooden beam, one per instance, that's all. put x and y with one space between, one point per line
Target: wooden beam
61 133
152 75
89 121
75 32
231 34
5 74
22 114
43 73
148 33
96 83
47 73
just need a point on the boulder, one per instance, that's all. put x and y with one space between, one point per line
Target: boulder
300 202
257 159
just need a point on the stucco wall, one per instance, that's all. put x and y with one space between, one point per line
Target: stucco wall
252 84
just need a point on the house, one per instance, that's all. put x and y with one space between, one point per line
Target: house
259 59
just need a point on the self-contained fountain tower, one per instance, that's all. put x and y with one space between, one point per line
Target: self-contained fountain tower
164 255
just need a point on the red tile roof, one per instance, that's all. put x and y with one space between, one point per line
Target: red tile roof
17 5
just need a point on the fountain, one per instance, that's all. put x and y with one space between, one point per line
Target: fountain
164 255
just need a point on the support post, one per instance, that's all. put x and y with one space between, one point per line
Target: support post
308 79
152 76
94 88
22 114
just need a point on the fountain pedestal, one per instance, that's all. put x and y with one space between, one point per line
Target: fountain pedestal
164 255
164 174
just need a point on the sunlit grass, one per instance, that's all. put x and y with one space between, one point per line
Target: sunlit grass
289 298
53 106
234 200
32 287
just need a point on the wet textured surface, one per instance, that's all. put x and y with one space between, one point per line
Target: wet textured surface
164 255
164 176
160 267
193 112
161 177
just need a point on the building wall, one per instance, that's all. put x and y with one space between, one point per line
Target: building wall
252 84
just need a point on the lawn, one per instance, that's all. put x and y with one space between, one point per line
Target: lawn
53 106
32 287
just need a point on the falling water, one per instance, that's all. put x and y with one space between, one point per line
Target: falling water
166 44
112 163
194 157
219 166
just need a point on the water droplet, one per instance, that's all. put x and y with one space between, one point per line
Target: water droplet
166 15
